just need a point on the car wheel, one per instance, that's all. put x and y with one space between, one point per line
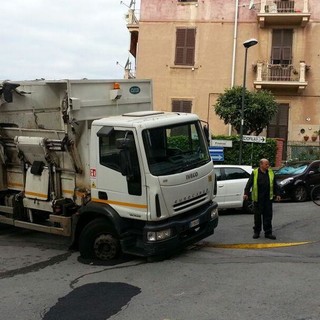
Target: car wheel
300 194
98 240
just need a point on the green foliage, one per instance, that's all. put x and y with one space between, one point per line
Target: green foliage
251 152
178 142
181 143
259 109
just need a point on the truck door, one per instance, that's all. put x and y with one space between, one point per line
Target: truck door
123 191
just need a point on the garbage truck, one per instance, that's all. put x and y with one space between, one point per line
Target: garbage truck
91 160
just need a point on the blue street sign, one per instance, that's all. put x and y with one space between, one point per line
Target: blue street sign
216 153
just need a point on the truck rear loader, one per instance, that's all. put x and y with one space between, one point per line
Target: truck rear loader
90 160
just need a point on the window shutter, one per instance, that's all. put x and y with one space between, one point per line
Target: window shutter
185 47
186 106
271 131
286 53
274 120
287 37
281 52
283 114
278 127
190 44
180 43
276 53
175 105
181 106
276 38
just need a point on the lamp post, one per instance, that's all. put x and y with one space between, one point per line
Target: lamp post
247 44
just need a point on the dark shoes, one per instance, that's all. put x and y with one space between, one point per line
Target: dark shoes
270 236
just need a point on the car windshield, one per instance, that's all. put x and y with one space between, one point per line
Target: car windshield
291 169
175 148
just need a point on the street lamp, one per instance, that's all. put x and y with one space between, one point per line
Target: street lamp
247 44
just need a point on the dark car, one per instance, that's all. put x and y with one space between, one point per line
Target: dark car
296 179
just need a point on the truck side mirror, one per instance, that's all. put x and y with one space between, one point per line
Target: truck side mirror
123 143
126 163
125 157
206 133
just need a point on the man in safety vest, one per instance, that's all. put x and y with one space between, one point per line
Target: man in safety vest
263 189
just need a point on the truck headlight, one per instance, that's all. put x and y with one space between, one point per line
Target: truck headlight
214 213
159 235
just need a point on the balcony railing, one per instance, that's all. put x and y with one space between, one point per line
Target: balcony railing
278 12
132 20
284 6
277 76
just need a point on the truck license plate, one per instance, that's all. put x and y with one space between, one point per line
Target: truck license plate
194 223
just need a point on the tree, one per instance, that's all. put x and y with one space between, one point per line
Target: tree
259 109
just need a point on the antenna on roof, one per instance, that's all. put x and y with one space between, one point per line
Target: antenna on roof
132 4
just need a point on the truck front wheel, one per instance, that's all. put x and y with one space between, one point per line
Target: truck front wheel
98 240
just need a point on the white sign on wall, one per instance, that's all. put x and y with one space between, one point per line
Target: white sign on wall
221 143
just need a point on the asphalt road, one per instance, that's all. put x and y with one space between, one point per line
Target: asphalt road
227 276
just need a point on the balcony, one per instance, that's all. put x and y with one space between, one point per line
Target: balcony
280 77
132 21
292 12
133 28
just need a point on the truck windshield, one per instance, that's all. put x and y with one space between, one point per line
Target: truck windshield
174 149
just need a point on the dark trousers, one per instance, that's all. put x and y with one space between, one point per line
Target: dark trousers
263 215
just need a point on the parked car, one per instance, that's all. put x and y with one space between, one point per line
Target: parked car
296 179
231 181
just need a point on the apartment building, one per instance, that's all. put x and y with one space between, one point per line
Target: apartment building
193 50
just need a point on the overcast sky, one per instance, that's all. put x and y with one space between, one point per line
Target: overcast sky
63 39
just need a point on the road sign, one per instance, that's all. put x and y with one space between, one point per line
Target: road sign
255 139
221 143
216 153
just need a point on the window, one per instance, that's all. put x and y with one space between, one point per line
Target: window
315 168
281 46
112 157
181 106
185 46
175 148
109 153
218 174
278 126
235 173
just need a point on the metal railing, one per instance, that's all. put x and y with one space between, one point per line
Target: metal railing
284 6
280 7
279 72
297 150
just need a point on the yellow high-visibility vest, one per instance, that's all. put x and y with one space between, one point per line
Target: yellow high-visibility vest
255 184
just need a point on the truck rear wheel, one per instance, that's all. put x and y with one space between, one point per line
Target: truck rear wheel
98 240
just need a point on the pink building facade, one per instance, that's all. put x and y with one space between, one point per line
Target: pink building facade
193 51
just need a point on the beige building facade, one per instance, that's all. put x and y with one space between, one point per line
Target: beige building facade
193 51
